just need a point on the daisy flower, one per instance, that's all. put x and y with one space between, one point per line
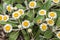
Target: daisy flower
52 15
29 30
25 24
50 22
15 8
7 28
21 11
56 1
43 27
16 15
42 12
9 8
58 35
32 4
19 26
47 19
1 17
5 18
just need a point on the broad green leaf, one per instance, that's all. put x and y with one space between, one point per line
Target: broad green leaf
37 34
38 38
48 34
55 39
42 38
20 6
9 1
3 23
25 34
13 1
19 1
30 14
1 8
58 22
39 4
46 5
13 35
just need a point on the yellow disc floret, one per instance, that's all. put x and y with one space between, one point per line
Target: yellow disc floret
56 1
26 24
32 4
43 27
1 17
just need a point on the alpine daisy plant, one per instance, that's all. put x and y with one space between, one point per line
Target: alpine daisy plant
30 20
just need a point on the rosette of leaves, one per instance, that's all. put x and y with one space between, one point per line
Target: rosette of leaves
35 19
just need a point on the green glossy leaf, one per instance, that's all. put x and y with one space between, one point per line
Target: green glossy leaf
39 3
46 5
30 14
1 8
3 23
48 34
19 1
20 6
55 39
38 38
25 34
58 22
37 34
13 1
13 35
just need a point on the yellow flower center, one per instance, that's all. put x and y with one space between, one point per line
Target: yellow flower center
0 17
9 8
16 15
52 14
42 12
59 34
5 18
25 24
21 12
44 27
32 4
56 1
50 21
7 28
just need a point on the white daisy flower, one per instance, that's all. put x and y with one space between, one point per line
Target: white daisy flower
29 30
1 17
19 26
58 35
7 28
56 1
32 4
43 27
25 24
46 19
21 11
42 12
52 15
16 15
5 18
50 22
15 8
9 8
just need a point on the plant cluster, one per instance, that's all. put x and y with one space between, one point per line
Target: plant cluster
33 19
